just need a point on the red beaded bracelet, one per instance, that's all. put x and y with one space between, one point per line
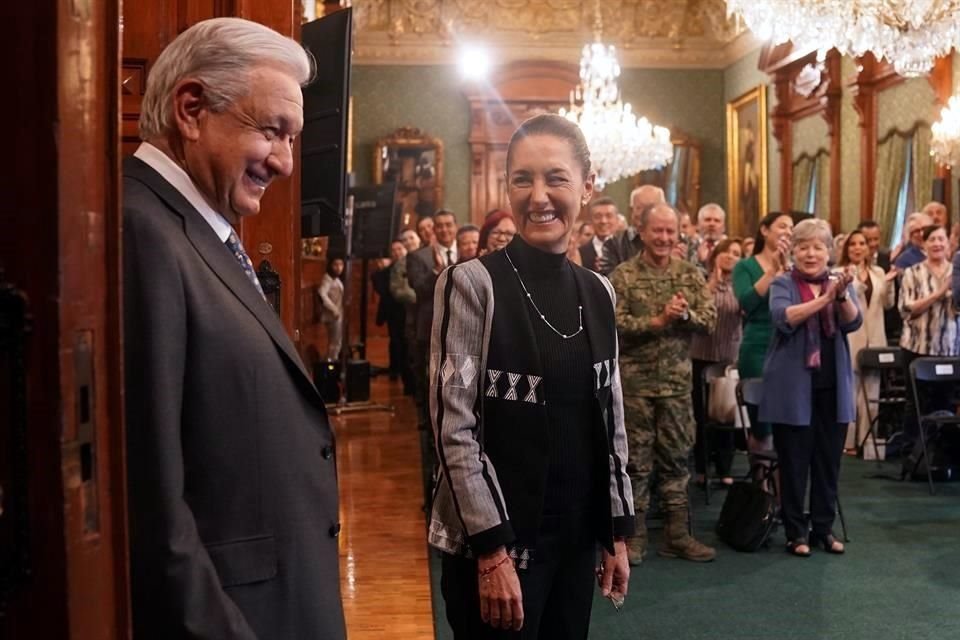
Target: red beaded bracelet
485 572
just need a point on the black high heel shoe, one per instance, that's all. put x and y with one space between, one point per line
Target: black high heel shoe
828 543
794 551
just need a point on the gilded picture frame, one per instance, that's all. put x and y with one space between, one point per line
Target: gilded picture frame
414 160
747 161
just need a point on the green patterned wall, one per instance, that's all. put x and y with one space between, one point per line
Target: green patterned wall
738 78
429 98
809 136
687 100
900 107
849 152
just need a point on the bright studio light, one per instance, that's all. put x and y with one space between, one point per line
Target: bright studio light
474 62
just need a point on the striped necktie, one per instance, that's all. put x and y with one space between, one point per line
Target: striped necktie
233 243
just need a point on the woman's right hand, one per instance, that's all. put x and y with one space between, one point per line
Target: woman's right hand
501 600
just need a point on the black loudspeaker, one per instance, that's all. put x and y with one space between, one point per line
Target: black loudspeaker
326 377
358 381
323 146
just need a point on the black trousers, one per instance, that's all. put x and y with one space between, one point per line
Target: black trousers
721 442
810 452
557 598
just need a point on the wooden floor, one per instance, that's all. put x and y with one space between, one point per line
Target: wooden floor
383 554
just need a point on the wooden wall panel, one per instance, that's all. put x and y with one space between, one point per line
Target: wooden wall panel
60 246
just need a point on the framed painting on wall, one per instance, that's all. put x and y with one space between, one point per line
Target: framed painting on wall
747 161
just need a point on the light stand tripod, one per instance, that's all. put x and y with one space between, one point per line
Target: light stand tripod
343 405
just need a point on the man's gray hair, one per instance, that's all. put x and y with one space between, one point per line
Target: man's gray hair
219 53
660 206
813 229
710 206
645 188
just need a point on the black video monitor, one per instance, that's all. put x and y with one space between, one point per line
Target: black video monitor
376 220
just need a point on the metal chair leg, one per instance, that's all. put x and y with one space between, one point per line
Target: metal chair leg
843 521
926 457
873 421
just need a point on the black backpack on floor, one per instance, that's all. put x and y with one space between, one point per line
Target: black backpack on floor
943 454
748 517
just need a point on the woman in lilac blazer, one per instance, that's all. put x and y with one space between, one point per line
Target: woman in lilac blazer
812 312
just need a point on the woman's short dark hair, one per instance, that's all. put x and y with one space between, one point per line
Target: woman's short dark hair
931 228
551 124
722 246
767 222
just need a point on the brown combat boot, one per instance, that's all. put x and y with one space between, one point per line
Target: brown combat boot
678 543
637 545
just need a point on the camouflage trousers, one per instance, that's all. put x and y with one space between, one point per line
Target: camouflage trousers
660 434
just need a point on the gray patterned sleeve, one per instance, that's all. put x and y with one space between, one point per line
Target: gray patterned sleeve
621 492
463 303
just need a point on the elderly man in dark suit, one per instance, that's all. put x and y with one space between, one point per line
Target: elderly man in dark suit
232 480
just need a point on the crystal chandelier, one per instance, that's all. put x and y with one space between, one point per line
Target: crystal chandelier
910 34
620 144
945 144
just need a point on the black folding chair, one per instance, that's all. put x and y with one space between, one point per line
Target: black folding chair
711 373
932 370
887 362
765 464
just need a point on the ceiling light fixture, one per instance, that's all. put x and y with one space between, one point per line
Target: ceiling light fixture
910 34
621 144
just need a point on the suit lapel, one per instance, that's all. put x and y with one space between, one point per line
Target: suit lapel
219 258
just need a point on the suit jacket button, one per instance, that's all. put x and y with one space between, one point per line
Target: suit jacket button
335 530
327 453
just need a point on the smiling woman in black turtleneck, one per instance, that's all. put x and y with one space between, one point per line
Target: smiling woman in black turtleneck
528 414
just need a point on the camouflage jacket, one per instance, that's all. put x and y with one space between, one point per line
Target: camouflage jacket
655 362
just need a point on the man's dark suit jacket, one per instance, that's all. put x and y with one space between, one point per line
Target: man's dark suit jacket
883 259
230 456
422 279
588 255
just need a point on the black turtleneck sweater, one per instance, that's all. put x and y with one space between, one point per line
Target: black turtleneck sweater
568 379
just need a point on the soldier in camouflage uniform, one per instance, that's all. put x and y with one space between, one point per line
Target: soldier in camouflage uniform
661 302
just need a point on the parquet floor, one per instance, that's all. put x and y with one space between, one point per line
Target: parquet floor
384 572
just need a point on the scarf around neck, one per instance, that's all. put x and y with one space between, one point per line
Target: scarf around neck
822 321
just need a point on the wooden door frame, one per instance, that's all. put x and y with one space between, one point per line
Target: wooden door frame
61 247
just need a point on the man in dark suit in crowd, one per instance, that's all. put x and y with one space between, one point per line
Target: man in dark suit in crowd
871 233
627 243
603 215
231 462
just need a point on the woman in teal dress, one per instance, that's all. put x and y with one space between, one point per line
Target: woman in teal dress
751 284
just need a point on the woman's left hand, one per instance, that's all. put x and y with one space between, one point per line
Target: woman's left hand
614 573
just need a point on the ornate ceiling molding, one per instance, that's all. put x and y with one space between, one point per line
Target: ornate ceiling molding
647 33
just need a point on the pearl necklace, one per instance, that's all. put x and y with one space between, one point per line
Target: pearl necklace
535 308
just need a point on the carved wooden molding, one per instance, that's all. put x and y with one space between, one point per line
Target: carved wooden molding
646 32
514 93
804 87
